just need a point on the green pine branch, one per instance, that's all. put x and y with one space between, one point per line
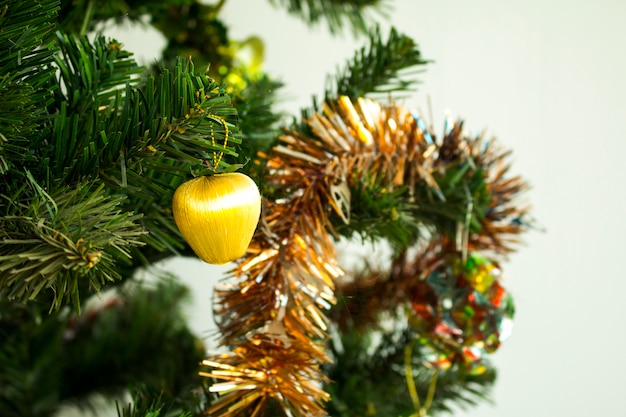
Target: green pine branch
339 14
384 67
143 325
18 122
381 212
30 348
93 79
377 70
136 337
61 242
26 35
192 117
110 123
26 78
462 198
100 70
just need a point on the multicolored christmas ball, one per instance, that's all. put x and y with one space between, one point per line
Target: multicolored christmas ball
461 311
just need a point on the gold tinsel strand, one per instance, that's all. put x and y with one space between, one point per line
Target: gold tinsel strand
273 309
255 373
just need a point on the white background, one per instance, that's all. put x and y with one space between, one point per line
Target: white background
548 79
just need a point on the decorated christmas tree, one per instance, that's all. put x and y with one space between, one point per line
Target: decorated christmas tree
108 167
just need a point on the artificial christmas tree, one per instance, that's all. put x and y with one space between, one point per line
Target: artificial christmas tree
94 148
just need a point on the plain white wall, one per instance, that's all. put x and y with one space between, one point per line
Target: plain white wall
548 78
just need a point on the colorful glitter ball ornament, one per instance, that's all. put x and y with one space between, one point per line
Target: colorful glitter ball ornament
217 215
461 311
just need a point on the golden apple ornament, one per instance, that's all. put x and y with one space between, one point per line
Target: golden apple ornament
217 215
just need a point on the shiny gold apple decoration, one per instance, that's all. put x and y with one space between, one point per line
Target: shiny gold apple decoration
217 215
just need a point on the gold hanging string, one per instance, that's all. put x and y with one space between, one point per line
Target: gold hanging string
408 370
217 156
420 410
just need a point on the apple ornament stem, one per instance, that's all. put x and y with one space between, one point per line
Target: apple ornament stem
217 215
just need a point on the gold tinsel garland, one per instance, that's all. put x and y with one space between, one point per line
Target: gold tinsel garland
273 309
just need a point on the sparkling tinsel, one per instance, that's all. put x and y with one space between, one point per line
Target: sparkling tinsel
273 308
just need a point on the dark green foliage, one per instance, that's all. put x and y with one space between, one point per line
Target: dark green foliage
376 384
136 338
381 213
26 32
93 79
337 13
113 127
30 348
55 241
463 199
26 78
382 68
